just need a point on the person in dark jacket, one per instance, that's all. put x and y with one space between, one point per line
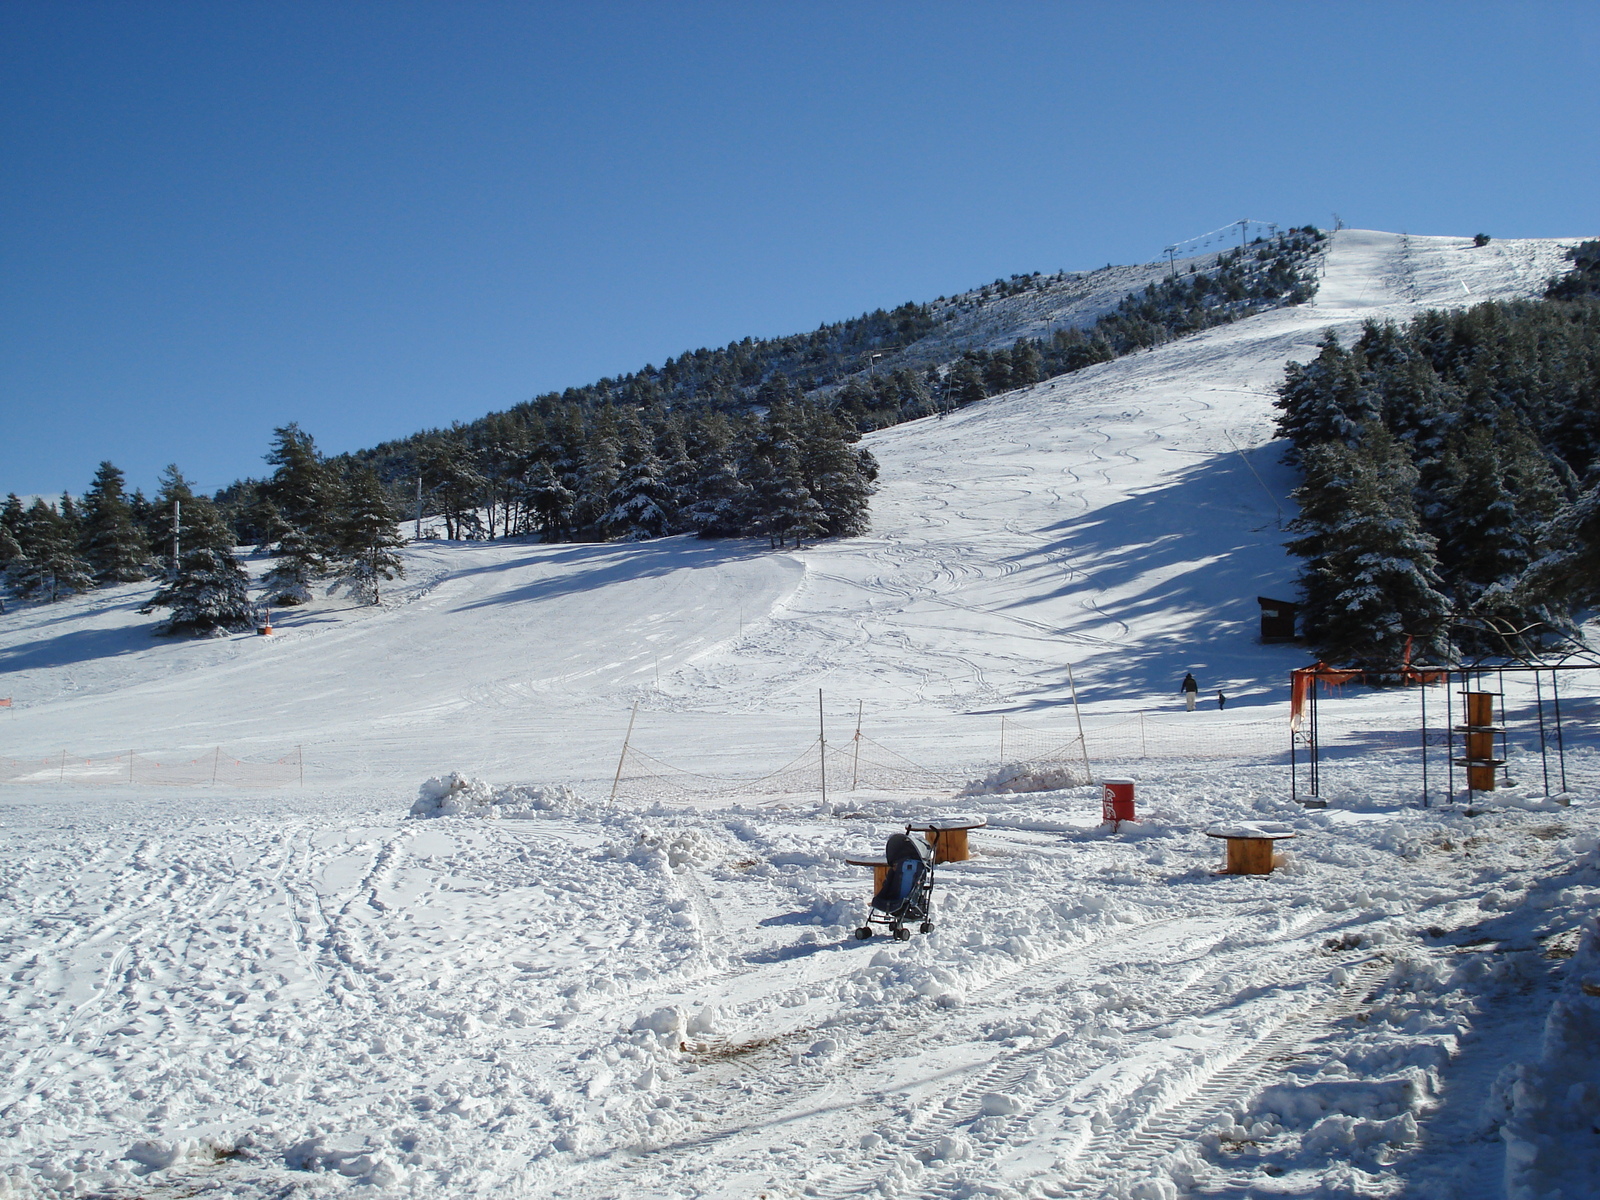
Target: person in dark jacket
1190 690
1222 701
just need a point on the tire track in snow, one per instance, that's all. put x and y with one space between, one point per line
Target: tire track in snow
747 1111
1135 1151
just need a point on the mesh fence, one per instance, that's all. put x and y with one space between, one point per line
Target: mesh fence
177 769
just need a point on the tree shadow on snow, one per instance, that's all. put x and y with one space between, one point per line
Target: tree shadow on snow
1191 555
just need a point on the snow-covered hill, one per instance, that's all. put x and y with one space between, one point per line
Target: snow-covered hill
212 989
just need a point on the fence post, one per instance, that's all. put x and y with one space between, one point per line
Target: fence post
216 761
855 766
822 748
62 778
623 757
130 766
1083 744
300 759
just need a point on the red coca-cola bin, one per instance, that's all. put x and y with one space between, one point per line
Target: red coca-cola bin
1116 800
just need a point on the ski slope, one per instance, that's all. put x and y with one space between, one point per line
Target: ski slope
229 991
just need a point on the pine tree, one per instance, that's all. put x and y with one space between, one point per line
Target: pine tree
641 503
1371 578
302 488
112 544
209 595
48 567
300 562
10 549
12 518
963 384
719 499
837 475
549 501
1324 400
365 540
200 524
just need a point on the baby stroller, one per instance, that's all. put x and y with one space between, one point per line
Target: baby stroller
907 891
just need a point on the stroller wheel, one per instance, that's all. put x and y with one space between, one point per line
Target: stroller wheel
864 932
927 927
902 934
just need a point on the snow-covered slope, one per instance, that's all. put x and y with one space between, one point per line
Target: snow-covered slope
230 991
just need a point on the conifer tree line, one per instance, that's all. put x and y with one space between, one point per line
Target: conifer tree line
757 439
333 527
1451 477
1270 273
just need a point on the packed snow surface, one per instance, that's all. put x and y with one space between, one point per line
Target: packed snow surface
456 944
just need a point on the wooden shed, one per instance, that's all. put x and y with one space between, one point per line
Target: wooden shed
1277 619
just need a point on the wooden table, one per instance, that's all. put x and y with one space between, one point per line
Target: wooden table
1250 847
949 837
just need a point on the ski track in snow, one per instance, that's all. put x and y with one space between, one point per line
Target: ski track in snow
301 991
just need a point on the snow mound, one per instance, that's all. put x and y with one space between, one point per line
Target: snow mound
1025 777
457 795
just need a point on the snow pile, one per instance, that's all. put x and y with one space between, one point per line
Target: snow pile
1016 778
457 795
1555 1102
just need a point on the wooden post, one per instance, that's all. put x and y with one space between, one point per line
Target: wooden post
822 748
855 766
1088 771
623 757
216 762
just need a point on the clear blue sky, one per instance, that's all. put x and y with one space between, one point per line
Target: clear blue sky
375 217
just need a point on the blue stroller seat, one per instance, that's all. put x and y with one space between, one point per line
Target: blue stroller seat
907 891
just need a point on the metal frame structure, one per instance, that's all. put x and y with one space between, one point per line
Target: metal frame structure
1522 659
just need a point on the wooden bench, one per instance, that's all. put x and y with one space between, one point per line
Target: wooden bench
949 837
1250 847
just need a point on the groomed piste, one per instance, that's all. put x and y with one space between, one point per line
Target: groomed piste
426 930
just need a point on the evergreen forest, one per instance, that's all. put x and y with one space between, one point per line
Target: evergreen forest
1450 494
757 439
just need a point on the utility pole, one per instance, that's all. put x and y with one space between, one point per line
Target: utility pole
1171 266
177 511
418 536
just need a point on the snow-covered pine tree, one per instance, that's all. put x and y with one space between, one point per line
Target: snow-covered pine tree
454 482
200 524
300 562
48 567
600 465
10 548
719 499
1324 400
111 543
836 473
1567 571
963 384
641 502
549 502
780 505
209 595
1371 578
365 540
